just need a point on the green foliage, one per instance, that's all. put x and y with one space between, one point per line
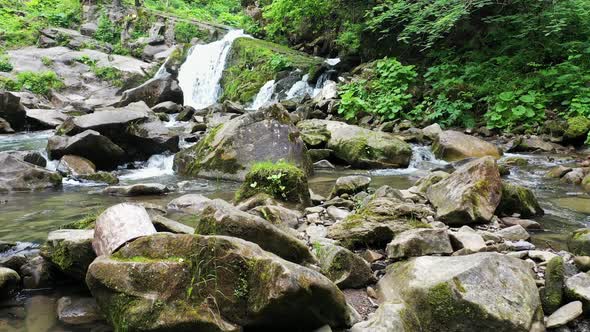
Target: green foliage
107 31
287 16
40 83
385 93
109 74
228 12
47 61
85 59
512 108
21 21
279 62
349 40
281 180
184 32
5 65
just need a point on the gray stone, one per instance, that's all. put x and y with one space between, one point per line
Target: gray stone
139 189
89 144
164 224
45 119
577 287
154 91
564 315
12 110
78 310
469 195
350 185
514 233
167 107
469 241
419 242
388 318
525 223
38 273
238 273
453 145
345 268
337 214
76 166
9 282
70 250
119 224
18 175
5 127
483 291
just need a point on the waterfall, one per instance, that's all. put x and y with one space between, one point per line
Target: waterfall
158 165
200 74
264 96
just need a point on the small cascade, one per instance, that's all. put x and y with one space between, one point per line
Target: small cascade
264 96
157 165
300 89
424 158
200 74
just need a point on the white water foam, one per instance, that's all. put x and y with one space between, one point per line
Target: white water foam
200 74
157 165
264 96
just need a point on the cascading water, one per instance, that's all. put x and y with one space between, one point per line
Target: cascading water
158 165
200 74
264 96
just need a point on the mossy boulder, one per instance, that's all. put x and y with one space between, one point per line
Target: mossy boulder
345 268
360 147
453 145
579 242
520 200
9 282
586 183
104 177
281 180
169 282
479 292
313 134
252 62
420 242
350 185
19 175
70 250
552 293
376 224
469 195
217 217
577 129
229 150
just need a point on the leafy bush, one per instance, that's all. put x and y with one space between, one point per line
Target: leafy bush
47 61
349 40
289 16
279 62
184 32
386 93
40 83
5 65
516 108
85 59
107 32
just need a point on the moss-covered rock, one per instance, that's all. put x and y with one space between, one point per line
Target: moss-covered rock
104 177
171 282
360 147
375 224
577 129
552 293
345 268
586 183
252 62
469 195
579 242
479 292
281 180
229 150
420 242
313 134
518 199
217 217
9 282
71 251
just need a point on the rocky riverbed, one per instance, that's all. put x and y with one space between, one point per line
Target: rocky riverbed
140 212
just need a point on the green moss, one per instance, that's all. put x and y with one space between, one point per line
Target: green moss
414 223
552 295
86 222
250 66
280 180
578 127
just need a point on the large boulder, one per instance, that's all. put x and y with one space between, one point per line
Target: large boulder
75 166
579 242
484 291
5 127
19 175
532 144
345 268
376 223
229 150
519 200
119 224
112 122
469 195
151 138
89 144
138 189
45 119
420 242
210 283
154 91
453 145
360 147
9 282
217 217
350 185
70 250
12 110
